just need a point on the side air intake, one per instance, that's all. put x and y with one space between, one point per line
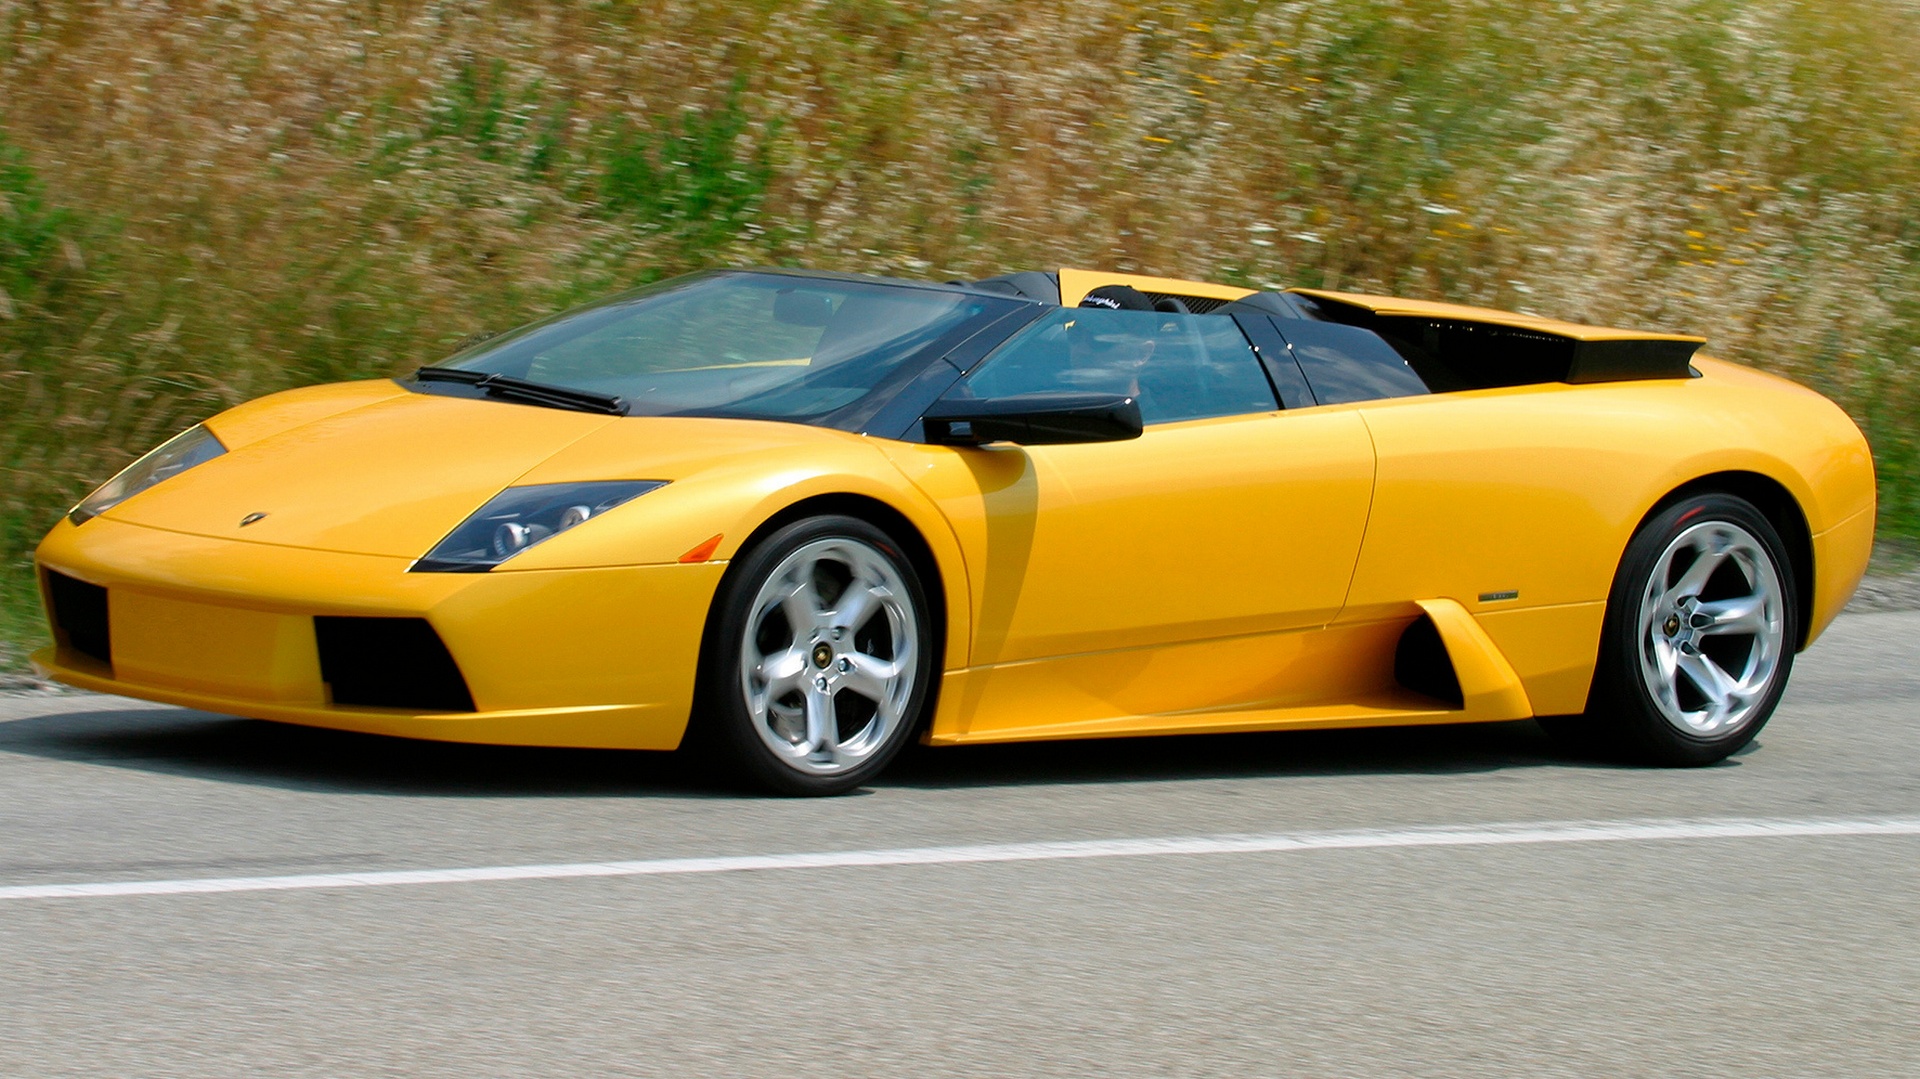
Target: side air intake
1421 664
389 663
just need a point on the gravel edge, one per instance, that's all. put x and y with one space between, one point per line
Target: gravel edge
1887 592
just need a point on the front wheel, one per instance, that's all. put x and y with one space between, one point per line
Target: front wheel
1698 639
818 659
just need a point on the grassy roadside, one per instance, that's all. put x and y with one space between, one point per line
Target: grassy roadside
203 202
1896 557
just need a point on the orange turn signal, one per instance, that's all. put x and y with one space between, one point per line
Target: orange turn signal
702 552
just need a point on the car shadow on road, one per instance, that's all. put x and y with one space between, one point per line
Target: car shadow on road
1423 750
224 749
196 744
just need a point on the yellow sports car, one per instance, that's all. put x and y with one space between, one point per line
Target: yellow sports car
797 519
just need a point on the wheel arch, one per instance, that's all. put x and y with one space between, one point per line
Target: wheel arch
886 518
1781 509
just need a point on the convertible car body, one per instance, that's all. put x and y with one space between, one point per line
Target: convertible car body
818 514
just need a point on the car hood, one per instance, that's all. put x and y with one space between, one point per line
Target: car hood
370 468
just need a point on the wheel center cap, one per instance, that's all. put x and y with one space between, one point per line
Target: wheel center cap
1672 625
822 655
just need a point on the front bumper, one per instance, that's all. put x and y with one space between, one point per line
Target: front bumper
601 657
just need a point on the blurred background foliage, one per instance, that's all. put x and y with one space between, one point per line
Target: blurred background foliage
201 202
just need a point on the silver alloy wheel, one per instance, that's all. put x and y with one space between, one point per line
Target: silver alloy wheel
828 662
1712 628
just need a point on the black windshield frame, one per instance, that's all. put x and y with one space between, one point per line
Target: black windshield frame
976 312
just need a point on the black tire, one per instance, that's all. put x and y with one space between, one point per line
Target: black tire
1629 716
745 742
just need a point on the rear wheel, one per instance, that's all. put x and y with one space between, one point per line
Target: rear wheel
818 658
1698 639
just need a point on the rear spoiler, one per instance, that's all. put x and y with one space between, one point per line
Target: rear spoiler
1589 353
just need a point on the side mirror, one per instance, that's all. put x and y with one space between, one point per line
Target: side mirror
1033 419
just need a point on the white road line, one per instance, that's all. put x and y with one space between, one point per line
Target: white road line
1497 835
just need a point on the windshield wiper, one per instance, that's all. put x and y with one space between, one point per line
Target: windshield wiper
508 388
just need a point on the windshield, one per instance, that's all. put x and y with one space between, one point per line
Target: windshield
739 344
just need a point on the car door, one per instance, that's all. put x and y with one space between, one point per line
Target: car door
1227 521
1504 499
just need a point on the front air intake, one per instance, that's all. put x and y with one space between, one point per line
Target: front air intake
389 663
79 612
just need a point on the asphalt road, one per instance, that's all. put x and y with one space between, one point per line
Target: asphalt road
1535 950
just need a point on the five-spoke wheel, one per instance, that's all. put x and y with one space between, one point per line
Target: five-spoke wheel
1699 637
818 657
1713 627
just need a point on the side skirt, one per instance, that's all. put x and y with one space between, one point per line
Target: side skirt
1341 676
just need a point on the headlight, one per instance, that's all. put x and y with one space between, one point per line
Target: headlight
519 517
174 456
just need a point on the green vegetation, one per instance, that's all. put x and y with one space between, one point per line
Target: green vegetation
203 202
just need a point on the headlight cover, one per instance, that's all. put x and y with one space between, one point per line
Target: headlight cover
196 445
519 517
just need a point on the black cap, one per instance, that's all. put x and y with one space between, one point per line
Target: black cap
1118 298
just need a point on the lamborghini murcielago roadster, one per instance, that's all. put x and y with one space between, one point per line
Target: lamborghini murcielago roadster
797 519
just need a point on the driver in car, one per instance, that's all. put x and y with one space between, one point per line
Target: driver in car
1107 353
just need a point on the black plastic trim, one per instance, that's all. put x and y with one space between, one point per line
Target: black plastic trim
1034 419
1283 369
444 565
1278 304
78 611
1620 361
1188 305
1465 354
509 388
1026 284
1421 664
969 354
389 663
899 416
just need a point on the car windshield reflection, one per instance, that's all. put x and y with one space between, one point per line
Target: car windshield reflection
739 344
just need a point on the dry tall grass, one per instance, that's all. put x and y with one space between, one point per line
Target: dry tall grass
204 201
